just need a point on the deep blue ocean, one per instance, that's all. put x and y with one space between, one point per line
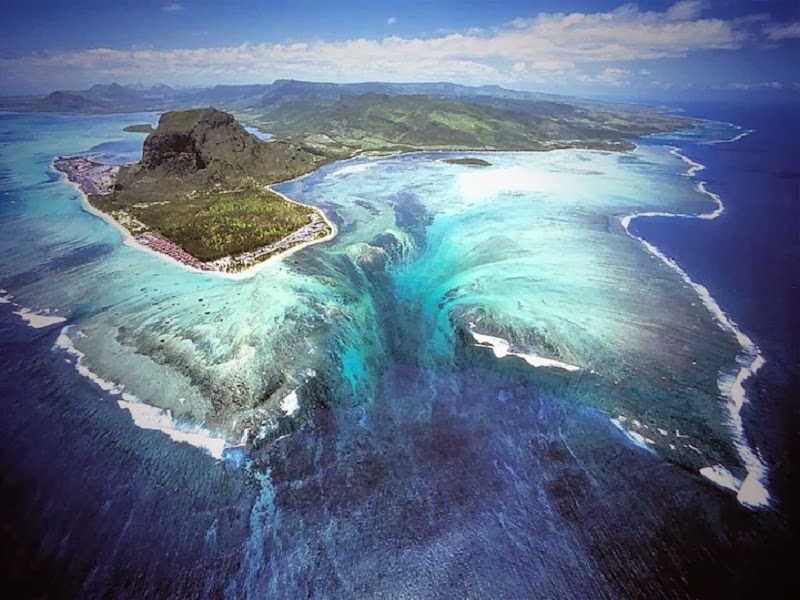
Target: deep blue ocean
750 261
533 497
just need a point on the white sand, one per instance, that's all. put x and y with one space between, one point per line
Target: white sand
290 404
502 348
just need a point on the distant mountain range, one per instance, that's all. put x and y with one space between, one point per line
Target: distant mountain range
114 97
332 119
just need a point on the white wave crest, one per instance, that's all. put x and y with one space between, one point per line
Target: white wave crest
31 319
753 491
144 415
502 348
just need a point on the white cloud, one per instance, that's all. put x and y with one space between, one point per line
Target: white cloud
552 65
174 7
749 87
783 31
549 45
391 20
645 72
686 9
608 76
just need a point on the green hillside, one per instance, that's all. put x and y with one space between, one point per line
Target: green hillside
406 122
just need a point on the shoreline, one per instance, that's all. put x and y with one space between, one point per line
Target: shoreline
128 238
143 415
752 491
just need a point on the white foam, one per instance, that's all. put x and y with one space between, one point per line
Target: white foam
722 477
637 438
694 167
501 348
144 415
65 344
736 138
351 169
753 491
38 321
32 319
290 404
150 417
540 361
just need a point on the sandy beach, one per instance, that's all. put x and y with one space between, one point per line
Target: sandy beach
78 171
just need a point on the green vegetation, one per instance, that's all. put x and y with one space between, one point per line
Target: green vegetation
470 162
212 225
201 183
139 128
379 122
202 178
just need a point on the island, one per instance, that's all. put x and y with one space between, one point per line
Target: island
469 162
201 193
139 128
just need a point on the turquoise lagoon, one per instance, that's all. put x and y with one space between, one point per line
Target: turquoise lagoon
522 269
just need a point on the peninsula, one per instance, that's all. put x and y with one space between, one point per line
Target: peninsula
200 194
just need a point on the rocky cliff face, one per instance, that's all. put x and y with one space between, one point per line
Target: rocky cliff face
205 148
205 142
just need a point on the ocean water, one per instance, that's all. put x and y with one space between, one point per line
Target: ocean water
500 392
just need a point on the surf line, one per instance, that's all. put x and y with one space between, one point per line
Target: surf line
144 415
752 491
36 320
738 137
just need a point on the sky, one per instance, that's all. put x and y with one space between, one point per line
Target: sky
585 47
